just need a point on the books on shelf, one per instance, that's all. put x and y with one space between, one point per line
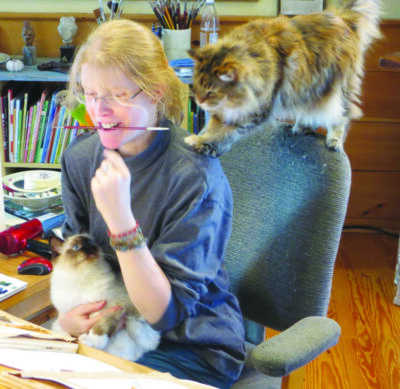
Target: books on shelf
32 124
196 117
40 113
10 286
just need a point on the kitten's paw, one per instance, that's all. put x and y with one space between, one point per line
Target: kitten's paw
191 140
334 144
197 145
207 149
92 340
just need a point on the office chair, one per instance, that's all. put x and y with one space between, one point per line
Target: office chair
290 199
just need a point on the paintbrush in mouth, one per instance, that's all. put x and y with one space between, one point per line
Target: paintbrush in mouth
115 128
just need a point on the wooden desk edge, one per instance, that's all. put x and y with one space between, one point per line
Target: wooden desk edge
87 351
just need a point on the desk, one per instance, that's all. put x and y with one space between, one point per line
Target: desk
126 366
32 302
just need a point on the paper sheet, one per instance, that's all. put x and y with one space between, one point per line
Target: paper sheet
106 380
50 361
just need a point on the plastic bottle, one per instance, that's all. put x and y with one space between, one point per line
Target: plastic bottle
209 25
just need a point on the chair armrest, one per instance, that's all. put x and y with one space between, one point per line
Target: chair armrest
296 346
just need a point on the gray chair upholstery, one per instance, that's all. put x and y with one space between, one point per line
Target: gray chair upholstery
290 199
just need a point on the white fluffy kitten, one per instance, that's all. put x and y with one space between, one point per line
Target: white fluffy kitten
81 275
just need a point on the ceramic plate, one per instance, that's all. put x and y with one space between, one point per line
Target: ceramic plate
4 57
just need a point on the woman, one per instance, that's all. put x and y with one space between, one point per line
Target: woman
116 180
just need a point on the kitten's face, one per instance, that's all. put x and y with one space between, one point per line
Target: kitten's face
217 78
76 249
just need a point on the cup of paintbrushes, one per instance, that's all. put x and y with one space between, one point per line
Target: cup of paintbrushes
176 43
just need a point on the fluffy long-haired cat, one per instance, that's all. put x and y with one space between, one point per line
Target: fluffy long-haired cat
82 275
306 69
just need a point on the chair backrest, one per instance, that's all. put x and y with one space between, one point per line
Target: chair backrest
290 199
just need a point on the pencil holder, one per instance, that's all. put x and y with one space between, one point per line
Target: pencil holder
176 43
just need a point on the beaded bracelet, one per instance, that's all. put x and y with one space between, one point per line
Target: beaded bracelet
123 234
129 240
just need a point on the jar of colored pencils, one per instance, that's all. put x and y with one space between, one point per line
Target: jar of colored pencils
176 43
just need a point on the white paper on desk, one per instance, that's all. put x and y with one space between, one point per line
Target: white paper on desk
140 383
9 331
106 380
50 361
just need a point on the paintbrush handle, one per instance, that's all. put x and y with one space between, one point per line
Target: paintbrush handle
115 128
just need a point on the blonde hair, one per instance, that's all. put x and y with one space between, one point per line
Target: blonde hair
133 49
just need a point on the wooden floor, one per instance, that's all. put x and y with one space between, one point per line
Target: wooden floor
368 352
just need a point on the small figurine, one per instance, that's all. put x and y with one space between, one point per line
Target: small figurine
28 33
67 29
29 51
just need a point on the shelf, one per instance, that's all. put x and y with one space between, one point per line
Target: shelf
31 73
32 165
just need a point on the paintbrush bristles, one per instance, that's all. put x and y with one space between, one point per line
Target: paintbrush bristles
170 15
97 15
115 7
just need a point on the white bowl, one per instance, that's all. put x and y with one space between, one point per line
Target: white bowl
35 203
18 189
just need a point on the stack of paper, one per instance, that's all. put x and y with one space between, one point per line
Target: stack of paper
27 337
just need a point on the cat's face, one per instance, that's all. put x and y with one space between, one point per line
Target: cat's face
218 79
75 249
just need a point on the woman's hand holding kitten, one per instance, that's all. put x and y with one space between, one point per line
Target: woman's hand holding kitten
81 319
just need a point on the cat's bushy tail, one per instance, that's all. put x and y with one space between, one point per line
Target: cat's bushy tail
367 16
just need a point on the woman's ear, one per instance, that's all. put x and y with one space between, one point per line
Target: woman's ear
160 91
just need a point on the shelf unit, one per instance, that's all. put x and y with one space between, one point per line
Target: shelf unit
28 74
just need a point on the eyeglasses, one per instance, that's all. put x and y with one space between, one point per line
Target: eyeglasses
121 99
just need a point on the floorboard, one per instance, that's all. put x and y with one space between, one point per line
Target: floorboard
368 352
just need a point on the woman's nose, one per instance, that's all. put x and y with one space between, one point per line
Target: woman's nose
101 106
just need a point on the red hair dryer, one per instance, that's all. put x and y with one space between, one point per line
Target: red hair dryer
20 237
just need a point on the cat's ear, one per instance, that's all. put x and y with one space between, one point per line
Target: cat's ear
228 72
195 54
55 245
227 77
